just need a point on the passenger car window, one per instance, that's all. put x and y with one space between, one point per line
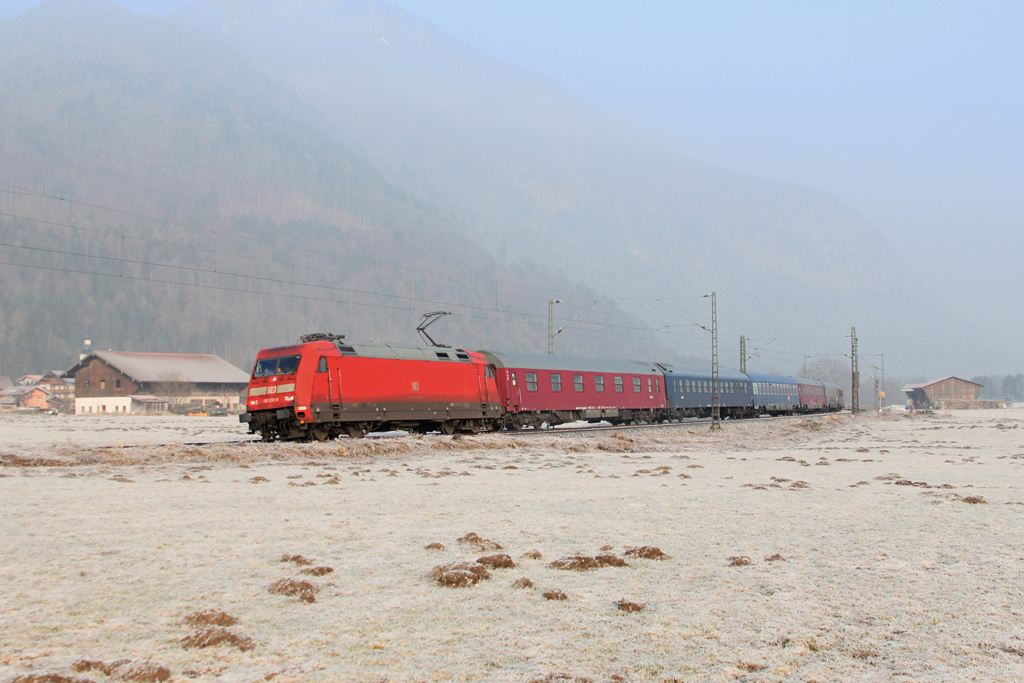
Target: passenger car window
636 385
556 382
531 381
599 383
577 381
618 384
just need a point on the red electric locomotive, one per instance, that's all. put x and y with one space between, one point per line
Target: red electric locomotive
326 386
537 388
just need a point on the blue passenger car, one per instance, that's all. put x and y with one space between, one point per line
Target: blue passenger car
774 395
689 391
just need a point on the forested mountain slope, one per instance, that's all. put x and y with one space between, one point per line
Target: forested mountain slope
522 162
266 225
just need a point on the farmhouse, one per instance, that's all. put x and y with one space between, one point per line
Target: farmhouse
948 392
127 382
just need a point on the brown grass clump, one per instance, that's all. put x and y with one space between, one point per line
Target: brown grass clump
555 594
317 571
609 560
83 665
775 558
890 476
146 671
497 561
646 552
799 485
209 636
47 677
434 546
209 617
575 563
739 561
459 574
606 548
481 544
975 500
523 583
297 559
533 555
303 589
258 480
627 606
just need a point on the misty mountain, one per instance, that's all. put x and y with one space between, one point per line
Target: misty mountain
533 170
242 221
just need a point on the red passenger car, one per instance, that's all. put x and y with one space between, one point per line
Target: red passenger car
812 395
327 386
536 388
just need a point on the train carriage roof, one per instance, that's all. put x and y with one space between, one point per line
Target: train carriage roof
544 361
702 372
778 379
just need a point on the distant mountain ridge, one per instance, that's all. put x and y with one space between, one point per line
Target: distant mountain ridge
523 163
267 227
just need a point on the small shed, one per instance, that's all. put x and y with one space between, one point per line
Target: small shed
933 394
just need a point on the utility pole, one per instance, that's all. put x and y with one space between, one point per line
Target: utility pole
883 379
551 324
854 373
716 409
743 353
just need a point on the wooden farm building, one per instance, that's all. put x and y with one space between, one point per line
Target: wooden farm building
125 382
948 392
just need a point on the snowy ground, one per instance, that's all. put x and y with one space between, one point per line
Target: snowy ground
887 573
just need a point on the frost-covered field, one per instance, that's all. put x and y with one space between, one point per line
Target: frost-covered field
886 572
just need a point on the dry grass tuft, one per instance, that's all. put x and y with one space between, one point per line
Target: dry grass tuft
497 561
47 677
555 594
523 583
481 544
317 571
890 476
209 617
258 480
775 558
609 560
646 552
975 500
626 606
434 546
533 555
209 636
146 671
576 563
459 574
739 561
297 559
304 589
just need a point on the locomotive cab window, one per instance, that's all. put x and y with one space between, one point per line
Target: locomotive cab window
556 382
283 365
488 372
577 382
531 381
599 383
322 367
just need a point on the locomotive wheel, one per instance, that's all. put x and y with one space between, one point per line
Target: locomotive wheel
354 431
319 433
473 427
447 427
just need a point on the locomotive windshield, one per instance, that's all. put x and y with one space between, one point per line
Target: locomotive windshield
282 365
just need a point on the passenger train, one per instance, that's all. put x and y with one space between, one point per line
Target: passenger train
325 386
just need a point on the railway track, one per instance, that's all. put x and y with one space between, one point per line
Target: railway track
556 431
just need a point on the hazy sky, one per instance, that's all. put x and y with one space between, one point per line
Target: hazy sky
909 111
